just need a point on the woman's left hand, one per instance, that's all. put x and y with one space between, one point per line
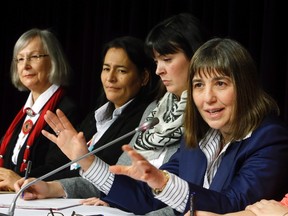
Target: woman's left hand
140 169
71 143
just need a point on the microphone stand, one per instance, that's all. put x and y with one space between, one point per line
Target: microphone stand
142 128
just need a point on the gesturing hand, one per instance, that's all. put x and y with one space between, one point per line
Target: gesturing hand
140 169
71 143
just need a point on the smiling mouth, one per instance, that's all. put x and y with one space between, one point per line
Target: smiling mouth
29 74
214 111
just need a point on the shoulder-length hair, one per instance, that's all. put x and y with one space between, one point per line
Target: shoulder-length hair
60 68
227 57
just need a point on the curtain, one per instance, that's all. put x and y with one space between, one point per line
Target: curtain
84 26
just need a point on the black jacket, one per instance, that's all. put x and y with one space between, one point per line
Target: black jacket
126 122
45 155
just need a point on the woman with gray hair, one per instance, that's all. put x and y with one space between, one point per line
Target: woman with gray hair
39 66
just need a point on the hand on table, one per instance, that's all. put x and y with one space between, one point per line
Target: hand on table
7 179
94 201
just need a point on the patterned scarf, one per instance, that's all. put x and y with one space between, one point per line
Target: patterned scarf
35 131
169 130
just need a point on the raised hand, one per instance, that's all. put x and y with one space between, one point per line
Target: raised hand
140 169
71 143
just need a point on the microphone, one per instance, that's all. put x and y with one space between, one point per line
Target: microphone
146 125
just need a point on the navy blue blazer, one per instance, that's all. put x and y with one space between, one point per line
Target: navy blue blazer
250 170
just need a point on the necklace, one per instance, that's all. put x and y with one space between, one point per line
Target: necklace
27 126
30 112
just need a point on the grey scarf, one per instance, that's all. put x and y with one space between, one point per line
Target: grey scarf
169 130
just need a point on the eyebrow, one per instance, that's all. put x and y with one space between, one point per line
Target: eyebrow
117 66
36 51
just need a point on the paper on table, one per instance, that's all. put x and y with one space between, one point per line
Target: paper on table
65 206
7 192
81 210
54 203
95 210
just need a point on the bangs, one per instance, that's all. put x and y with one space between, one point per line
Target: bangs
163 42
210 63
163 48
210 70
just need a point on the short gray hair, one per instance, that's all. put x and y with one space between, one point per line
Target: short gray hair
60 68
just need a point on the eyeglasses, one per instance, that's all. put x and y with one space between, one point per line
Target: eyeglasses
33 58
54 213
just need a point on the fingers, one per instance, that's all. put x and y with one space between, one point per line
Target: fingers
49 136
18 184
51 119
58 121
101 203
134 155
89 201
3 185
126 148
118 169
28 196
64 120
21 182
94 201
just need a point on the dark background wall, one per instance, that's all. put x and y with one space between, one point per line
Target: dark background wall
83 27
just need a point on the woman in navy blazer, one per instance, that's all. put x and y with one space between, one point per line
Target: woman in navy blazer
234 151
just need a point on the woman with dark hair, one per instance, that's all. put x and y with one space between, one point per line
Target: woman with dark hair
128 88
172 44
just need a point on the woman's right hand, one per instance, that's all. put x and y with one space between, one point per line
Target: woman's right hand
39 190
71 143
35 191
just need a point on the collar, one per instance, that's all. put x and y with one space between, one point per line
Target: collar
102 115
41 100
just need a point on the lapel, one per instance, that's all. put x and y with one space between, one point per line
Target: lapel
195 161
199 167
112 133
131 114
226 166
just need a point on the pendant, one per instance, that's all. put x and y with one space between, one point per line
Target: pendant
27 126
30 112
